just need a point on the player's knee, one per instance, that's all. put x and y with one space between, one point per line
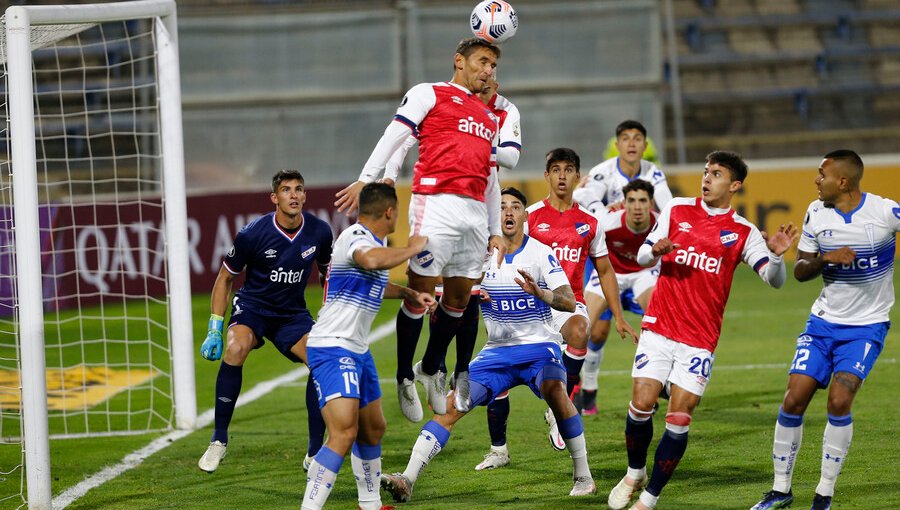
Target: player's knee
678 423
576 334
238 349
342 437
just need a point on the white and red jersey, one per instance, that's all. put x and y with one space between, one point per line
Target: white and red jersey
509 143
573 235
457 133
695 279
624 243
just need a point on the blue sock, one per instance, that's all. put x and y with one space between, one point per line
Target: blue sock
497 415
638 435
408 331
668 454
314 421
228 387
571 427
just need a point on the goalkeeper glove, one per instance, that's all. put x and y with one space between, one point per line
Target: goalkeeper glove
212 346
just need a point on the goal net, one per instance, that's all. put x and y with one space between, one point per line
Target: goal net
95 332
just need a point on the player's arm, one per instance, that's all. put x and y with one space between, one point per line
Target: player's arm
657 243
561 298
810 265
661 192
764 252
386 257
610 287
212 346
510 146
496 244
392 170
417 102
424 299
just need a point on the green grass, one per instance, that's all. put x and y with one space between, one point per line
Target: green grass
727 464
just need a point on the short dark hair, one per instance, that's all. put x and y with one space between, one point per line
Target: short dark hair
562 154
630 124
638 185
730 160
286 175
375 198
518 195
468 46
852 160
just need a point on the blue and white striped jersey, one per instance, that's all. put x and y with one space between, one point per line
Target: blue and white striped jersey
512 316
862 292
353 295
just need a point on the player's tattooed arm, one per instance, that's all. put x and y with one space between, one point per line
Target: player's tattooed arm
561 298
810 265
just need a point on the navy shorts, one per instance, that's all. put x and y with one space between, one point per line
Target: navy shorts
284 331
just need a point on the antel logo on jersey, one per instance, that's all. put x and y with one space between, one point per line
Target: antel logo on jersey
641 360
582 229
728 238
685 226
308 252
698 260
543 227
281 276
271 253
566 253
425 258
468 125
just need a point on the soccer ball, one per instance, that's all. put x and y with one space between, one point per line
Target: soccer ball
494 21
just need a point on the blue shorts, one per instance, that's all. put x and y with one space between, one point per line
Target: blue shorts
284 331
826 348
629 304
501 368
338 372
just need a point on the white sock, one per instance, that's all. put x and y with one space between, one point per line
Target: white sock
578 451
319 481
835 445
368 479
649 500
784 453
426 448
591 369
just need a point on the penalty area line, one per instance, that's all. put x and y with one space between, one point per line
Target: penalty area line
135 458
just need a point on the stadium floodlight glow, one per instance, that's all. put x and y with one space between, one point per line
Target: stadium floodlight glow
93 140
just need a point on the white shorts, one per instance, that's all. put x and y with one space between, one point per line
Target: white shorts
664 359
560 318
457 231
638 282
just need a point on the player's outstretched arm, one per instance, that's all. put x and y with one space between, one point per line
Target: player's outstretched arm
561 298
810 265
388 257
610 287
782 240
348 198
424 299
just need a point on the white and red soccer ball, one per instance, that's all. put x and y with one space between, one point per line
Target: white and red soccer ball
494 21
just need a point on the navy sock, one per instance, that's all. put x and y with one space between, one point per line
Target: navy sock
668 453
314 421
638 435
497 414
228 387
467 335
443 329
573 371
408 331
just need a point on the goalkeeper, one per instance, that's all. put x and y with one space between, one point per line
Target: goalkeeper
277 252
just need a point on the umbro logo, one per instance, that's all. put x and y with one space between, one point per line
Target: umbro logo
271 253
618 244
456 99
543 227
225 399
685 226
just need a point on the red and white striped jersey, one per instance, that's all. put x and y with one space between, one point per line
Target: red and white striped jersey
689 300
573 235
623 243
457 134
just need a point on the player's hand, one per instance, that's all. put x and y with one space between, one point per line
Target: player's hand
616 206
497 248
417 243
427 301
781 241
663 246
348 198
623 328
527 282
842 255
484 296
212 346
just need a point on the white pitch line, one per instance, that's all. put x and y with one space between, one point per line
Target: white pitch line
135 458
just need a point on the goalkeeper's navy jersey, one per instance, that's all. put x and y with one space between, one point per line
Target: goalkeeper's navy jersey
278 262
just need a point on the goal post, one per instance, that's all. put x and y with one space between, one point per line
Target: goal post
151 184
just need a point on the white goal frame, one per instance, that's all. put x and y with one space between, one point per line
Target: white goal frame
19 20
